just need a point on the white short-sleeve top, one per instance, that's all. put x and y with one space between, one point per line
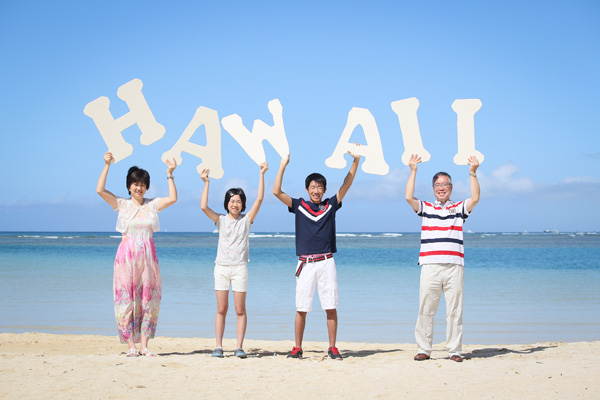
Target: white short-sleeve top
233 240
127 210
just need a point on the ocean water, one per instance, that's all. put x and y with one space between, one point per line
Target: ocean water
519 288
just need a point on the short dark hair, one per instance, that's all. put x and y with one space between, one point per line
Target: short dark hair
232 192
135 175
441 173
317 178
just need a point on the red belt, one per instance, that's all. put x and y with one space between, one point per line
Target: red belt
305 260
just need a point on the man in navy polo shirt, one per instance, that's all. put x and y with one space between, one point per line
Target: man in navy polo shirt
315 245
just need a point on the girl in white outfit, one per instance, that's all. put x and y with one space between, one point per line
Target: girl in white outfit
232 256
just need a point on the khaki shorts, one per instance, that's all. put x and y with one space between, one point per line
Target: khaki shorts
321 274
235 276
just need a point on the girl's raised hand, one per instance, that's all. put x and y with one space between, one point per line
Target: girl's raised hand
108 158
204 174
263 168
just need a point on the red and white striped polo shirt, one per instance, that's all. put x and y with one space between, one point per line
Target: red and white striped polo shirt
442 232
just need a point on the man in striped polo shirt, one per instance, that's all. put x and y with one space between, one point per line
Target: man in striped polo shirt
441 257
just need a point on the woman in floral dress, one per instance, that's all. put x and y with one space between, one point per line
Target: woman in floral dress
136 282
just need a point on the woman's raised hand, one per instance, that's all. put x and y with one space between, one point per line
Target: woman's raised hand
171 165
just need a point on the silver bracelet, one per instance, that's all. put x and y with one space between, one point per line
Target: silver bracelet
170 177
475 175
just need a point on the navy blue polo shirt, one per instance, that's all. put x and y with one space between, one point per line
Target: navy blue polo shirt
315 225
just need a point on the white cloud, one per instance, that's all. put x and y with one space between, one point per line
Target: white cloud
390 185
501 182
85 202
579 179
574 187
235 183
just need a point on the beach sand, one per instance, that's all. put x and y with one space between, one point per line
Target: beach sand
37 365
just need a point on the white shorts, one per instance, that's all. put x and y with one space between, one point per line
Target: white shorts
236 275
321 274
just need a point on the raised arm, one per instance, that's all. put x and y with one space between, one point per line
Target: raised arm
473 165
349 178
101 187
165 202
261 193
285 199
410 184
204 201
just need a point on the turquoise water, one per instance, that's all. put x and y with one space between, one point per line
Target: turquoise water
519 288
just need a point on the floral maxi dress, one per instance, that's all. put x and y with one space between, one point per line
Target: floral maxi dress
136 282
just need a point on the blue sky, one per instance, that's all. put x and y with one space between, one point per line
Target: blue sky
534 65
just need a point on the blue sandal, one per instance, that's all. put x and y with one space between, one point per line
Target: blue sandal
218 352
238 352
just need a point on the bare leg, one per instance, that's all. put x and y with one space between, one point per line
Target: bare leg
239 299
144 351
299 327
222 307
144 342
332 323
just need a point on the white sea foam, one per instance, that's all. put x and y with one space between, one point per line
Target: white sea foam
271 235
47 237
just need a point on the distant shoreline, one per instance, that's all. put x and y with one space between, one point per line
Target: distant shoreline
339 232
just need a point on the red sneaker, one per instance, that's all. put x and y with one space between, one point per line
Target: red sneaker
296 353
334 353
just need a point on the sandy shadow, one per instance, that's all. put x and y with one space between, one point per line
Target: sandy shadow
367 353
310 354
494 352
488 352
254 353
258 353
191 353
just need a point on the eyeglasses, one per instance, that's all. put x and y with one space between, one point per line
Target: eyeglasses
444 185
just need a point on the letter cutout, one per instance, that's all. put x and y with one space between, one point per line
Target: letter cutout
139 113
251 142
374 161
406 110
211 153
465 110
